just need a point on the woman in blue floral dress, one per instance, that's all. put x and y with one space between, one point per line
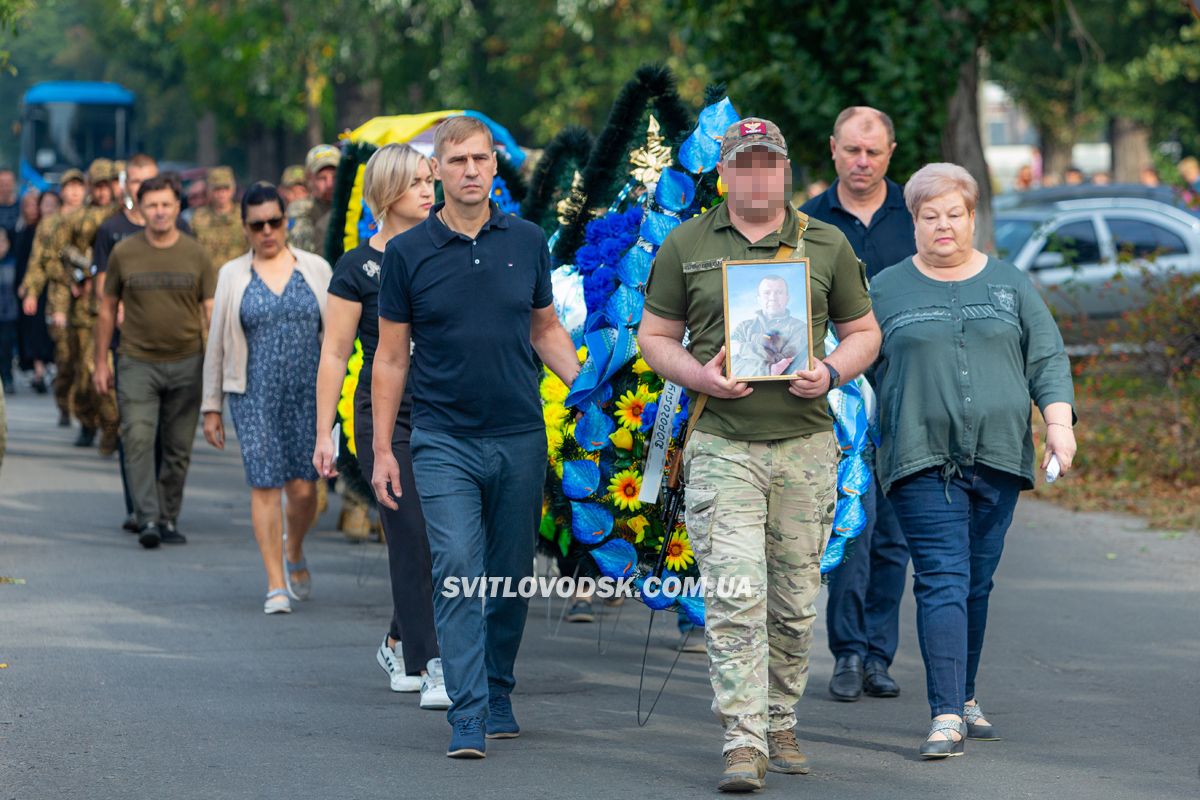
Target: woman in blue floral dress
263 349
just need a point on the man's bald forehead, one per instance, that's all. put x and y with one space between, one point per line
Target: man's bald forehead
867 117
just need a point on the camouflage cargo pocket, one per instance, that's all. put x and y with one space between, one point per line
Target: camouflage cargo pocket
700 506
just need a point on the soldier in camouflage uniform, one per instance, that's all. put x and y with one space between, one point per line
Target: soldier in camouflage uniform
308 219
293 184
761 467
76 235
45 273
218 225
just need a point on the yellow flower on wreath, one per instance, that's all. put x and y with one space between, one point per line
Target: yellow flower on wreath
554 391
624 489
638 525
630 408
555 415
621 439
640 367
679 552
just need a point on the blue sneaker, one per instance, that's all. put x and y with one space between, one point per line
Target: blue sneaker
467 739
501 723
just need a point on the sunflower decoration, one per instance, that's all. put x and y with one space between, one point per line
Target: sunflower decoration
624 489
631 406
679 556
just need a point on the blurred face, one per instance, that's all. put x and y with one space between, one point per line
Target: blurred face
773 297
466 170
758 183
102 194
8 188
136 176
221 197
72 194
297 191
413 206
322 184
48 204
160 209
266 229
861 153
197 194
29 205
945 231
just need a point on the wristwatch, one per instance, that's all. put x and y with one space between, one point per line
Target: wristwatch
835 378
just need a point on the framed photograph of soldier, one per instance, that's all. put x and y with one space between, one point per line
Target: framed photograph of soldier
768 319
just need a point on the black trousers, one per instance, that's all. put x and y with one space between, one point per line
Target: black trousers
409 561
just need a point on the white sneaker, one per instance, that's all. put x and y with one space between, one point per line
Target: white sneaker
393 664
433 687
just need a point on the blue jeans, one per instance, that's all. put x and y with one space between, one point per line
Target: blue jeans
955 529
863 612
482 499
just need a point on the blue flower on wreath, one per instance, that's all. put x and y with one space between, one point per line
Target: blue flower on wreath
598 286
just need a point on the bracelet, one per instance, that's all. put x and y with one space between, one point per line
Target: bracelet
1061 425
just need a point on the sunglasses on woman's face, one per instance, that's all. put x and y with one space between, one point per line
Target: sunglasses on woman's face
274 222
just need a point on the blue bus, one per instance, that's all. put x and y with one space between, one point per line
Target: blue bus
67 124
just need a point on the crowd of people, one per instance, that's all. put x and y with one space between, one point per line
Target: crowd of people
157 322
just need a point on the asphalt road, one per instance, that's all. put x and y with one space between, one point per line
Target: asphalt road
136 674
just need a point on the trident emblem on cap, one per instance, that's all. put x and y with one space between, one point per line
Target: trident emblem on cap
753 128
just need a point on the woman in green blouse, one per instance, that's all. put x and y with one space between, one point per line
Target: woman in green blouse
967 344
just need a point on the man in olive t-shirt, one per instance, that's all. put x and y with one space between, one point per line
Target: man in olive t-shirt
761 467
165 282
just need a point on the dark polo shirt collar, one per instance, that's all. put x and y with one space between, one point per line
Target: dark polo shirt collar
442 235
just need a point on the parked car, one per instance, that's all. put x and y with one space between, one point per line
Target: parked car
1090 256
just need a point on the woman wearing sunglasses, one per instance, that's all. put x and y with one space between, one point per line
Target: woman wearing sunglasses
263 349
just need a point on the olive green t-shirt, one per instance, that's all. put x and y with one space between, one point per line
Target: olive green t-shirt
163 290
686 284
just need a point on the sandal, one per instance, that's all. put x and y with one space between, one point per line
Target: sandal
945 746
984 733
277 602
300 589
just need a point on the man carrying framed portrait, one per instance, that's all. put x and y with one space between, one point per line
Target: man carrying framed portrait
760 466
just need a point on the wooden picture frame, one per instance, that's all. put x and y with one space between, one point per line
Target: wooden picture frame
765 338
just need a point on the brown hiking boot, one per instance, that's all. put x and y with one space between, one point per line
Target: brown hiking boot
745 769
785 755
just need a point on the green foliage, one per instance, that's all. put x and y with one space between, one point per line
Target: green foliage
800 64
1086 62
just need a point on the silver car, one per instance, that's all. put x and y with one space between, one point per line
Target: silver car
1090 256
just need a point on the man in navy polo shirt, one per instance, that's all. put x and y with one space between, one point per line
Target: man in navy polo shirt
470 288
862 615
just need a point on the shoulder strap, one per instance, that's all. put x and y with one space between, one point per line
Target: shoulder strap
785 251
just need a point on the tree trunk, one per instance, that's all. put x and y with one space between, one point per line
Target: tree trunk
206 140
1057 143
1130 149
358 101
963 145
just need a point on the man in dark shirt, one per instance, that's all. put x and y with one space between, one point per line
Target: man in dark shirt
862 615
138 169
470 288
165 282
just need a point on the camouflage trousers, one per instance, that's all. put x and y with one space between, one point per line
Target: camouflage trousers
92 410
64 368
759 511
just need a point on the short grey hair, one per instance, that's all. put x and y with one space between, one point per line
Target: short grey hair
934 180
